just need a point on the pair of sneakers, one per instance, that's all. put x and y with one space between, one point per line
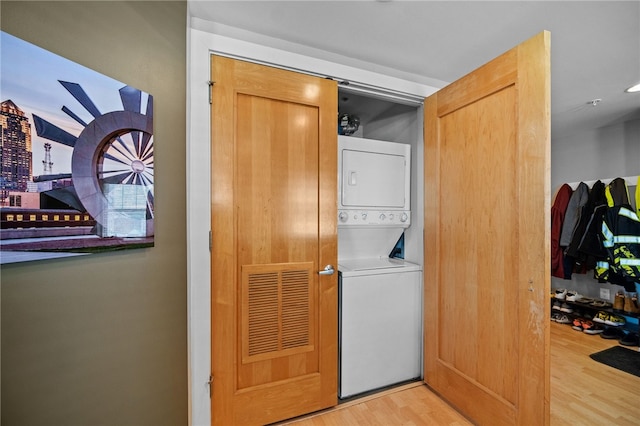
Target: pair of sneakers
613 333
587 326
630 339
560 294
560 318
626 338
609 319
568 295
562 307
572 296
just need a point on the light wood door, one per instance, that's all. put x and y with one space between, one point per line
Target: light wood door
274 213
487 143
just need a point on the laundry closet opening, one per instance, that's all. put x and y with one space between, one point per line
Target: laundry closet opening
380 245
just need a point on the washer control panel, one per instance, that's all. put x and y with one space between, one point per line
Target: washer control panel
400 218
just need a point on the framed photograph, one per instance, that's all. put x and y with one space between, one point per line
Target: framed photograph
76 156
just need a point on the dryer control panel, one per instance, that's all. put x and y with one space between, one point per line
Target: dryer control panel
374 218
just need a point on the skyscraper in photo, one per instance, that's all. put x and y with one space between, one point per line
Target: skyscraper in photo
15 148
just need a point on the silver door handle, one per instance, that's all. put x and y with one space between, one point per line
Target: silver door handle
328 270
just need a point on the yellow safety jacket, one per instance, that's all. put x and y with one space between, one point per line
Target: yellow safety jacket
621 240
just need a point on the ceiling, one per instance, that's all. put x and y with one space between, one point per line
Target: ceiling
595 45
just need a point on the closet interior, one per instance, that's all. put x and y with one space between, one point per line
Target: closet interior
380 222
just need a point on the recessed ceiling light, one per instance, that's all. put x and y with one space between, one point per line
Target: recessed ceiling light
633 89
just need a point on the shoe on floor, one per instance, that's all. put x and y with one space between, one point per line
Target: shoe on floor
556 305
612 333
564 319
631 339
577 323
591 327
555 316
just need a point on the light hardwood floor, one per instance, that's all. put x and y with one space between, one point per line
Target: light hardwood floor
583 392
586 392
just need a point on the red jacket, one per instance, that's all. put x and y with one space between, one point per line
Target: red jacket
558 211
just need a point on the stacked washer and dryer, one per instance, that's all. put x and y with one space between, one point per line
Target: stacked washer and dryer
380 296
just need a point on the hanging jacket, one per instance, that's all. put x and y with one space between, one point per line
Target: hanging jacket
617 193
621 232
558 210
596 198
572 216
590 249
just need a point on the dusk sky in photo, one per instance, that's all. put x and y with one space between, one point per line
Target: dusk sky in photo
29 77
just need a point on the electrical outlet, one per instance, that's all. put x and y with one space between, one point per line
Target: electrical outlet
604 294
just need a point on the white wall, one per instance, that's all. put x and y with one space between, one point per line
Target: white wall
603 153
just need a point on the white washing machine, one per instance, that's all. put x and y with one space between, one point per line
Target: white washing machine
380 323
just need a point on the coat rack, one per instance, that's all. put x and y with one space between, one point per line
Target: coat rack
631 181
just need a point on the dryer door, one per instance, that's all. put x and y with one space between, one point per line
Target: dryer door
372 180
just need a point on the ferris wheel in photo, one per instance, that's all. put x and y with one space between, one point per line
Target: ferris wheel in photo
114 150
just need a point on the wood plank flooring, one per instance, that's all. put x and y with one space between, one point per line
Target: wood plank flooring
583 392
586 392
412 404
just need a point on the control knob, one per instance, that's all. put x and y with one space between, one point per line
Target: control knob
343 216
404 217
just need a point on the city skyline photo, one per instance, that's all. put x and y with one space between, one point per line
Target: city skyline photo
81 140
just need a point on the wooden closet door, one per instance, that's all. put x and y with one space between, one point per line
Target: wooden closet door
274 227
487 284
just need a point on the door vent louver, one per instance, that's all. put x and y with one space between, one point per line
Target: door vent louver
276 309
295 309
263 313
